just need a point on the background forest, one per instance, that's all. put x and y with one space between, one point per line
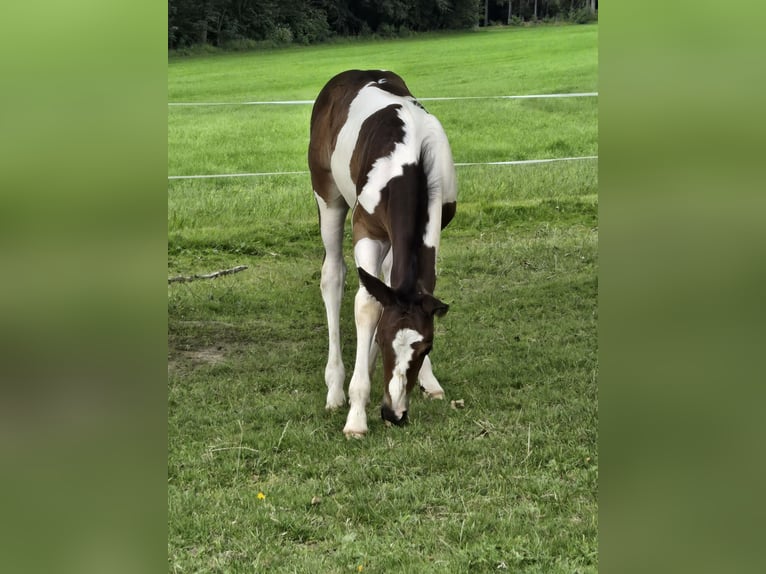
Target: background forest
246 24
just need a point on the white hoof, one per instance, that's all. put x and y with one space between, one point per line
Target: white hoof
335 400
356 423
437 394
357 434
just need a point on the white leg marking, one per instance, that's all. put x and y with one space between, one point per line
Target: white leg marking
366 313
385 269
367 254
333 278
427 380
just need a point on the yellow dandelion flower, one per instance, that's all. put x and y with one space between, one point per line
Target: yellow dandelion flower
261 496
359 568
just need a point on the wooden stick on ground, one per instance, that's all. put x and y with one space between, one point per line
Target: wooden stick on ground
182 279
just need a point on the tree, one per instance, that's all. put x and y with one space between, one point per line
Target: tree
219 22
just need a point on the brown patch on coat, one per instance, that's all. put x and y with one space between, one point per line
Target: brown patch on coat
330 113
378 137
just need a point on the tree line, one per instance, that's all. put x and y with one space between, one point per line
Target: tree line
242 24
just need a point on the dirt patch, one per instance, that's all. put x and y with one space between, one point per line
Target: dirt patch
209 355
193 358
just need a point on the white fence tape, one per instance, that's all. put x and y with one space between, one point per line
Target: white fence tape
275 173
436 99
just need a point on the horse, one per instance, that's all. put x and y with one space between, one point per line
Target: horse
375 148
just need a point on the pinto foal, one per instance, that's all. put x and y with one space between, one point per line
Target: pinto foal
374 147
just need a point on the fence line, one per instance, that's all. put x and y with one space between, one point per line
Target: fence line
274 173
435 99
527 161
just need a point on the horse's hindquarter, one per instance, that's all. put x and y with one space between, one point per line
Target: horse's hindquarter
357 147
355 134
365 128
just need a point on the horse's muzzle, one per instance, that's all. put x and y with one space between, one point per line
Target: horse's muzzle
389 415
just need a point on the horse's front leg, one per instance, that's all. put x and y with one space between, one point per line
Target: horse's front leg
368 254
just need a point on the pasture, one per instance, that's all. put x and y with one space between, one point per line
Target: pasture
260 477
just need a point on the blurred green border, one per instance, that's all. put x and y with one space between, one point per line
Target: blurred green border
83 225
83 168
681 210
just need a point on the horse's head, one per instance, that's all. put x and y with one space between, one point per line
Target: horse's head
405 335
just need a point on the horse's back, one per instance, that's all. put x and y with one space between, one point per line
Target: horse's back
332 105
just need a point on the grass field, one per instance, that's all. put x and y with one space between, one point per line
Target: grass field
260 477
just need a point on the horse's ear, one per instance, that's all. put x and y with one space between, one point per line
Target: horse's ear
433 306
379 290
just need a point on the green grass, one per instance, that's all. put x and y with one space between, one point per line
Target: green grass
521 60
511 479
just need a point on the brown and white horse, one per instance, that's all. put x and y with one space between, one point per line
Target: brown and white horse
374 147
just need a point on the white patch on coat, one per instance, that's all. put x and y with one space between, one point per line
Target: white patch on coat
388 167
421 131
369 100
440 173
397 386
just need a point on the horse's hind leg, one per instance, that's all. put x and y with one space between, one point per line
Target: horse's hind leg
428 383
332 215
